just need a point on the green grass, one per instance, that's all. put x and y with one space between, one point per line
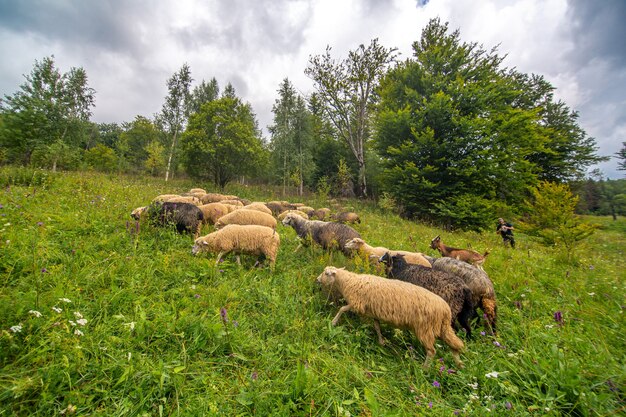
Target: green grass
168 333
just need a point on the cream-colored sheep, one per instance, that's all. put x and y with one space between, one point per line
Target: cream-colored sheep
215 198
259 206
162 198
213 211
306 209
347 217
184 199
197 190
284 214
231 207
374 253
320 214
243 216
247 239
398 303
232 202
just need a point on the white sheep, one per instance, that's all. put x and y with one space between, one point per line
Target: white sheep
398 303
248 239
258 206
300 213
243 216
375 253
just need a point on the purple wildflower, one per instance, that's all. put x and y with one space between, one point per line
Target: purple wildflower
1 206
39 224
451 371
197 295
456 412
508 405
518 304
235 323
224 315
254 376
436 384
442 368
611 385
482 333
558 317
430 404
496 343
44 271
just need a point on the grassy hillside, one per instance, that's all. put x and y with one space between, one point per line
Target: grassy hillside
99 316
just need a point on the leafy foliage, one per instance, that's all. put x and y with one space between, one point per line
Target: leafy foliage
550 217
346 89
50 108
452 123
221 142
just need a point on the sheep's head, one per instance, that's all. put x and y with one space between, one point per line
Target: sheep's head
386 259
290 219
327 277
136 214
355 244
435 242
203 243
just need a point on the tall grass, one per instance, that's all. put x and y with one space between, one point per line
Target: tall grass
132 324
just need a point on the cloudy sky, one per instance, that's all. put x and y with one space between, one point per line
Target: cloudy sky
130 48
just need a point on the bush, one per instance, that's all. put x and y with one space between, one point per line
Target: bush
24 176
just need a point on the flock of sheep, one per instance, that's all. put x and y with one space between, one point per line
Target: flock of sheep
426 295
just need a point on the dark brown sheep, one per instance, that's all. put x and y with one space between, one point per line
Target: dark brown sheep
449 287
186 217
326 234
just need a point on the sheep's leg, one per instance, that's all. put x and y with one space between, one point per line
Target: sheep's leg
381 340
427 340
219 258
339 313
238 260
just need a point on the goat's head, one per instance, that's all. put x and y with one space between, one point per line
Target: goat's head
434 244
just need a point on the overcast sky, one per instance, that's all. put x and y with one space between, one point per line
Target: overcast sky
130 48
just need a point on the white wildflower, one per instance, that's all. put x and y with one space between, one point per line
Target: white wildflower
73 323
474 386
591 294
193 287
57 309
131 325
522 295
35 313
7 224
129 355
549 326
82 322
17 328
65 300
474 397
78 332
493 374
78 315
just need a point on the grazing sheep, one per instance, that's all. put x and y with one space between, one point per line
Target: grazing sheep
483 293
233 202
277 207
197 190
243 216
347 217
185 199
449 287
213 211
398 303
306 209
326 234
186 217
374 253
231 207
465 255
284 214
320 214
215 198
248 239
256 205
136 213
164 197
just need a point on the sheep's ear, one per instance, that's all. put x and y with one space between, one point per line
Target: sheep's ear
204 242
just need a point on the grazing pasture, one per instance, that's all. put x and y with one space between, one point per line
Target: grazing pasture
101 315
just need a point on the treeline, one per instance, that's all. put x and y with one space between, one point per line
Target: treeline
448 135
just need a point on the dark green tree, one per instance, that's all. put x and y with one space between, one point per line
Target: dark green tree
621 156
50 109
222 142
133 142
346 89
451 139
173 116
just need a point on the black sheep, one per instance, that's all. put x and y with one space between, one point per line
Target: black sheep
186 217
449 287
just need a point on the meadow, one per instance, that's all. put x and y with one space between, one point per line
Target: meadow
103 316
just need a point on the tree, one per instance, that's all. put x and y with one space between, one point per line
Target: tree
291 136
222 142
134 140
621 155
174 113
347 90
101 158
203 93
452 141
156 157
550 217
50 107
